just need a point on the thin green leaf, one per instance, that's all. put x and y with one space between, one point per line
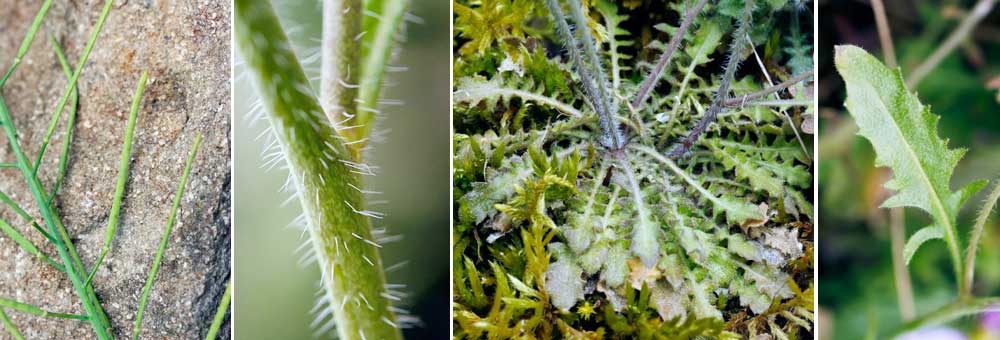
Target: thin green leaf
475 91
27 245
31 309
949 312
166 237
24 214
28 39
68 138
220 313
123 164
14 332
645 232
736 211
71 85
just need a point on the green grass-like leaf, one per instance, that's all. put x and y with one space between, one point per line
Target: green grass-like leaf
14 332
123 165
151 278
220 312
32 309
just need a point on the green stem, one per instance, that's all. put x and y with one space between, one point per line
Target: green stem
28 38
24 214
340 65
952 311
68 139
147 289
31 309
325 175
27 245
379 41
71 85
63 244
14 332
123 163
977 233
220 313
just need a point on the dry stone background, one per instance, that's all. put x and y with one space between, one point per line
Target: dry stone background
186 47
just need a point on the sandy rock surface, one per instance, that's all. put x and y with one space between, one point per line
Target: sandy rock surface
185 45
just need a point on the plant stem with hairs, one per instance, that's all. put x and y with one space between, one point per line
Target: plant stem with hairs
339 65
325 172
654 77
750 98
977 233
592 77
736 48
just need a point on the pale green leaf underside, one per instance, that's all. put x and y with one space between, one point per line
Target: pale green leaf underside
477 90
903 133
931 232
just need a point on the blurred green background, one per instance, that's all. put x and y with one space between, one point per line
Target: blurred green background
273 293
857 287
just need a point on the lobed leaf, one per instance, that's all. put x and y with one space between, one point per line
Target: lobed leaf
903 133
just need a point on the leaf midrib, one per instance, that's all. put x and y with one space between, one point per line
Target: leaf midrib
935 198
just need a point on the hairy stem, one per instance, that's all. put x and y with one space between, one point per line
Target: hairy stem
340 67
978 13
740 100
611 135
379 29
736 48
327 183
654 77
582 27
977 233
